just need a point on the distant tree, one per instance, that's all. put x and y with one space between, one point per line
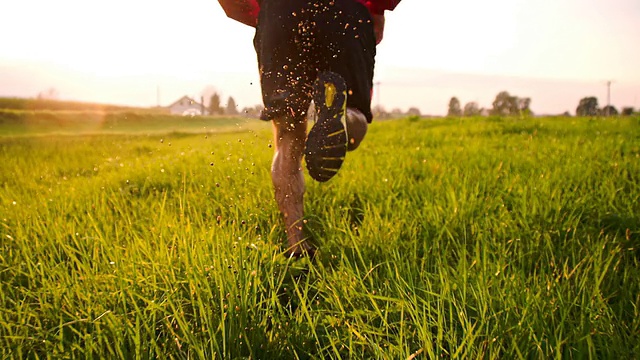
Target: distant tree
627 111
566 114
505 104
214 104
259 108
471 109
49 94
252 111
206 93
397 112
232 108
414 111
380 112
609 110
454 107
524 106
588 106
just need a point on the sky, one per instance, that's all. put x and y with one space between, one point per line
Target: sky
143 52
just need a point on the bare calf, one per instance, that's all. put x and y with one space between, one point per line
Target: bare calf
288 179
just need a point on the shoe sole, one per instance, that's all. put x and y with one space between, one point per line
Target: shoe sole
326 144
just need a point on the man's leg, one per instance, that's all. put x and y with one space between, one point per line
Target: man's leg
356 128
288 179
349 28
284 73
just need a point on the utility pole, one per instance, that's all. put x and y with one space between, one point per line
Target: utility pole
608 98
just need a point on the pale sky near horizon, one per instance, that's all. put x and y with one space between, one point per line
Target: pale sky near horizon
122 51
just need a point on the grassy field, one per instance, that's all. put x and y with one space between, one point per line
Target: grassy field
60 105
44 122
475 238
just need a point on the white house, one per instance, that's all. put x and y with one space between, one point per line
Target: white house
186 106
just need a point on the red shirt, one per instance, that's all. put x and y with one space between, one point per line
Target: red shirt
379 6
246 11
376 6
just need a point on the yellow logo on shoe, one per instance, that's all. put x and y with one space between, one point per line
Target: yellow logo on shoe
329 94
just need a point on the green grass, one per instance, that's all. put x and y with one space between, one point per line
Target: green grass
476 238
13 103
34 123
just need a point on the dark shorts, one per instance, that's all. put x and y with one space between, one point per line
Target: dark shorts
296 39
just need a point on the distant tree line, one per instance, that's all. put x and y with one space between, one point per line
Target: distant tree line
379 112
588 106
215 107
506 104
